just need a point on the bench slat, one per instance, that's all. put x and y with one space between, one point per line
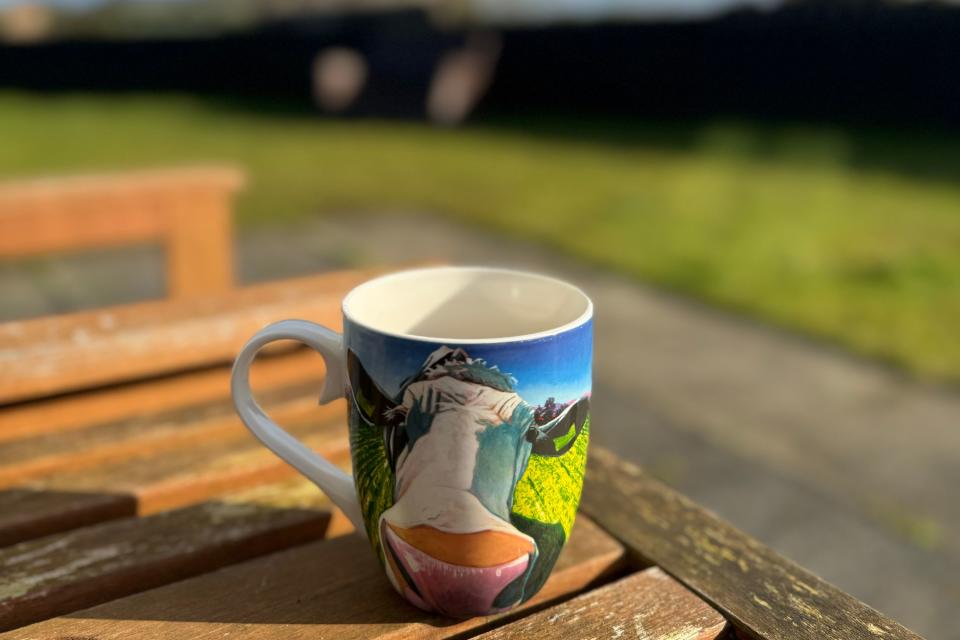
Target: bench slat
188 211
26 514
762 593
139 316
649 605
329 589
295 492
69 571
155 397
152 483
70 213
23 460
168 481
65 353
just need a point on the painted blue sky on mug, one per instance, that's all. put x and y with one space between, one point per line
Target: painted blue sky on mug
558 367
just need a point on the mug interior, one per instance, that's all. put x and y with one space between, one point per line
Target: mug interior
467 304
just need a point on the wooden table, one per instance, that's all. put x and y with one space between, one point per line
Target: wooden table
133 504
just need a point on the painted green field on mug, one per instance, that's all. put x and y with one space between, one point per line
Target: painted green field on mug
549 491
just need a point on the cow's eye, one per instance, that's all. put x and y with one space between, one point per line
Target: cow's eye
532 434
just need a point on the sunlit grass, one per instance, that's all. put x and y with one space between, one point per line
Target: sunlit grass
852 238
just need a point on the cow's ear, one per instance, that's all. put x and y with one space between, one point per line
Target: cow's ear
369 399
557 436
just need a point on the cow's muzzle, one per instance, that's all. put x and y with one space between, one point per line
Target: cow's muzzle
456 574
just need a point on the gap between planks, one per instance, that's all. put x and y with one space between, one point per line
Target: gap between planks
762 593
649 605
155 482
113 559
157 396
24 460
80 568
330 589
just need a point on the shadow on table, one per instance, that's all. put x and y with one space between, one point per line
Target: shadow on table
325 583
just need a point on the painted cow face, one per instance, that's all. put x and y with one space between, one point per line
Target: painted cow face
458 439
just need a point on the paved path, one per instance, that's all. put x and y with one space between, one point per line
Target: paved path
843 465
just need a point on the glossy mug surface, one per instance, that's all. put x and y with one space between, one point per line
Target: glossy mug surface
468 392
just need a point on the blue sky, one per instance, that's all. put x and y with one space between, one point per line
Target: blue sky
558 367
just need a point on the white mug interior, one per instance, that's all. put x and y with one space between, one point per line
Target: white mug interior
467 305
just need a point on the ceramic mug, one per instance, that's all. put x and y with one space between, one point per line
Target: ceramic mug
468 392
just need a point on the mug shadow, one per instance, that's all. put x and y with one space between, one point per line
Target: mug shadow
330 582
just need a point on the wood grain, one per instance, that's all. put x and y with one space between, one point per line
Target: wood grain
60 214
29 458
139 316
65 353
186 210
69 571
649 605
69 478
154 398
199 244
331 589
762 593
152 482
165 481
295 493
27 514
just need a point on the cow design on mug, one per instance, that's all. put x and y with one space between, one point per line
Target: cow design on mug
454 443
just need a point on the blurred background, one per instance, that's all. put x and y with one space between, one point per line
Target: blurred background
762 196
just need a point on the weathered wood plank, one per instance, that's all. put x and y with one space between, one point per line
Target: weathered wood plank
23 460
187 210
649 605
151 482
294 493
166 481
68 571
199 243
762 593
331 589
26 514
65 353
69 213
99 323
149 464
153 397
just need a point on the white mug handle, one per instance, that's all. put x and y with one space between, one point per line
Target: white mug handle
335 483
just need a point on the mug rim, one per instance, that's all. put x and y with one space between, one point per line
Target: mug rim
581 320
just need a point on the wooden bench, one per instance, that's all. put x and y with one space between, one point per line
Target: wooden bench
188 211
133 504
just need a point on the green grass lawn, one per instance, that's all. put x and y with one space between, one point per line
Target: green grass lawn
851 236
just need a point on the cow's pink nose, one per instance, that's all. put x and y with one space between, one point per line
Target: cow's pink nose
457 574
